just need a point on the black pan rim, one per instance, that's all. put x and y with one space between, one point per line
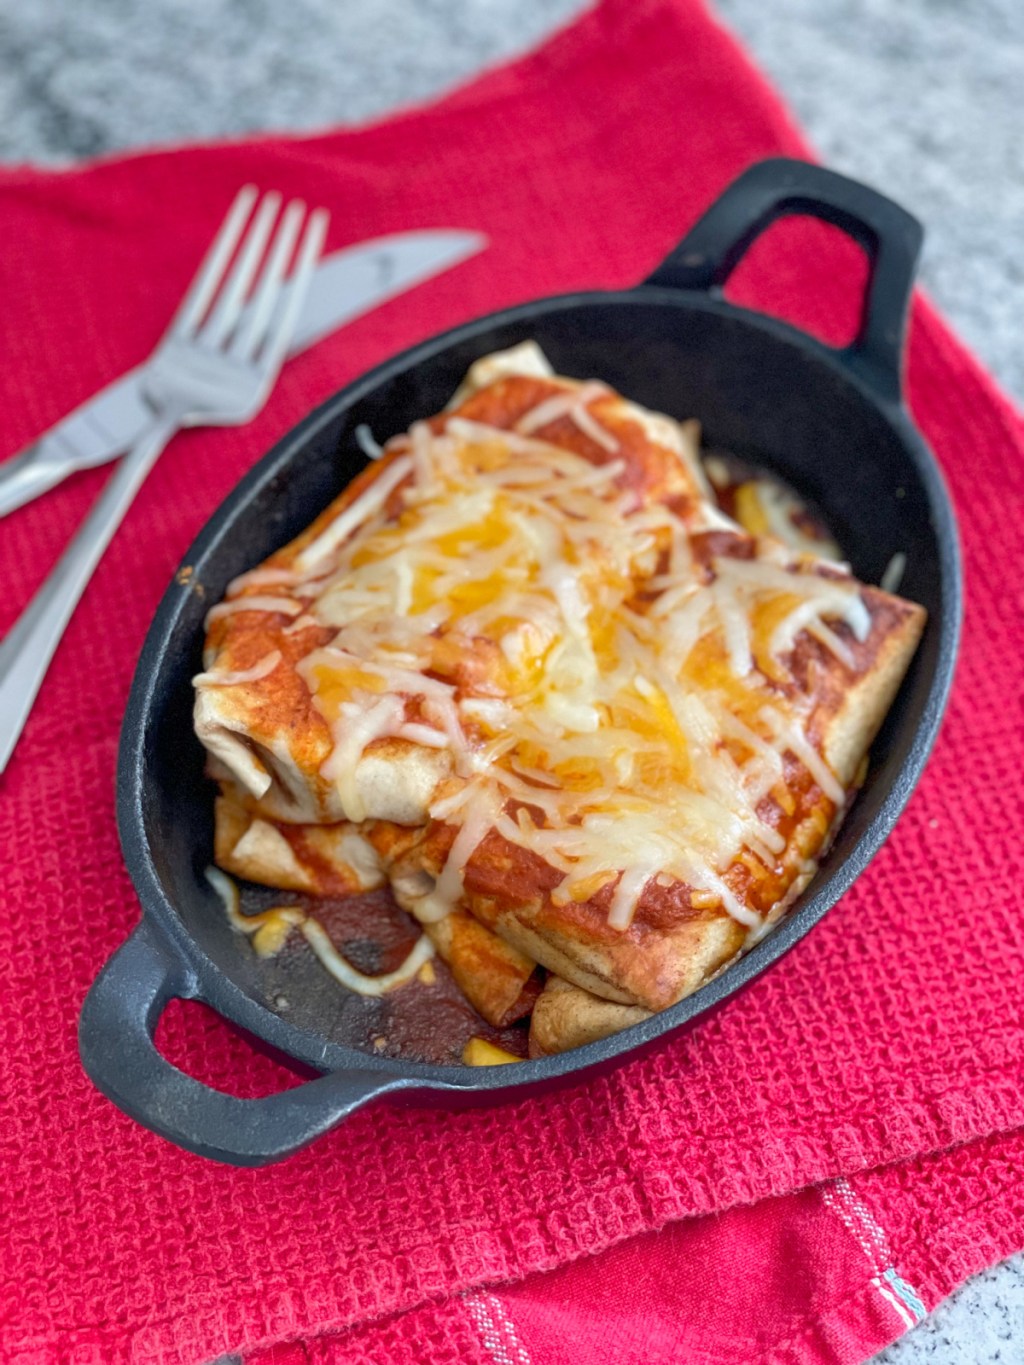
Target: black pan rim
307 1047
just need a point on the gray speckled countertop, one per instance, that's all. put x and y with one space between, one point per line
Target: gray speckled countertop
922 99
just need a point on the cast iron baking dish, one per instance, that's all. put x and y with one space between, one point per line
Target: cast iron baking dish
829 420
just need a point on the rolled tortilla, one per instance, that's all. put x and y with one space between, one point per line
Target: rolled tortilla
317 734
323 860
498 980
566 1016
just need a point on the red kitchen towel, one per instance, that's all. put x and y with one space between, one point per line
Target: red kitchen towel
825 1276
893 1031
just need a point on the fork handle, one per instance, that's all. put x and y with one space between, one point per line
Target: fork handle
30 644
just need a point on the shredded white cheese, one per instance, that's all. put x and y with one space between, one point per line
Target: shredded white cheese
370 447
287 606
232 678
269 929
892 576
371 500
609 702
342 970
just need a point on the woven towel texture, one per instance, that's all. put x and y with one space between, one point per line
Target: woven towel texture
824 1276
894 1029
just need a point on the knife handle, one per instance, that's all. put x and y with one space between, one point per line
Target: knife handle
29 474
98 430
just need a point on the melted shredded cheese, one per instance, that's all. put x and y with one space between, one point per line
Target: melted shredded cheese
367 443
371 500
610 703
892 575
287 606
343 971
231 678
264 576
574 405
269 930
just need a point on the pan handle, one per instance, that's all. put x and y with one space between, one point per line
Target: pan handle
772 189
115 1038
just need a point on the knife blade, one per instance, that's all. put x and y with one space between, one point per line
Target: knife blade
347 283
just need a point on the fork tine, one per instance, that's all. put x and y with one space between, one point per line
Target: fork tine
191 379
252 332
228 307
207 281
294 294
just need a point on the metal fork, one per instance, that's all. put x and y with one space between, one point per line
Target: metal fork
211 368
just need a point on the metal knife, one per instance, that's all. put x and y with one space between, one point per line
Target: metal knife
346 284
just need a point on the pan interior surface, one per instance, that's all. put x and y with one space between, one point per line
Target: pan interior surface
757 391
